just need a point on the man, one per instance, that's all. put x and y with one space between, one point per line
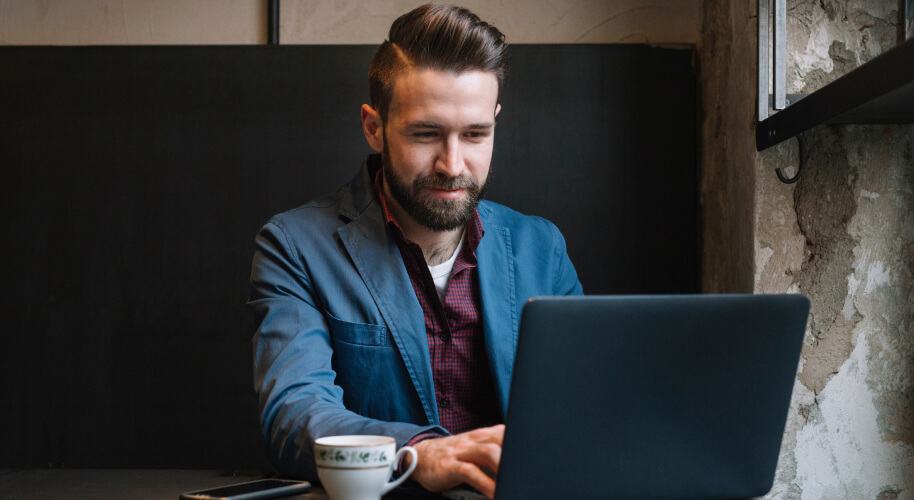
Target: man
392 306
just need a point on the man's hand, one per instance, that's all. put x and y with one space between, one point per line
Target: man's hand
471 458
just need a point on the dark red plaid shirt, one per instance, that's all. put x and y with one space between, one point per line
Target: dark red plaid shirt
463 382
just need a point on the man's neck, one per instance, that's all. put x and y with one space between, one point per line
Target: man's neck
437 246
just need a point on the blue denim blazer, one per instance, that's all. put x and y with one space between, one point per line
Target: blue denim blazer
341 347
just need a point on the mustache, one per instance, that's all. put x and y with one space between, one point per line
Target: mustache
440 181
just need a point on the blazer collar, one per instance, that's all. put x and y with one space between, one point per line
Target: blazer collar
359 194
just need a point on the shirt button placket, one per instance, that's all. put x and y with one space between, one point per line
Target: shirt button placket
446 336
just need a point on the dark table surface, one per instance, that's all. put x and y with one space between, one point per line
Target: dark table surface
141 484
135 484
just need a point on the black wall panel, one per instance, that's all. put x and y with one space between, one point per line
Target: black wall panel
133 181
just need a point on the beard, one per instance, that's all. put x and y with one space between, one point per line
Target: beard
434 213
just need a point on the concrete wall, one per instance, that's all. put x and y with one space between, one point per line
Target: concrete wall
139 22
843 235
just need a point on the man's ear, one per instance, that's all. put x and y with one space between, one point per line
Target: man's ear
497 109
373 128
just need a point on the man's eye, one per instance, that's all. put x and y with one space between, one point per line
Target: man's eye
425 135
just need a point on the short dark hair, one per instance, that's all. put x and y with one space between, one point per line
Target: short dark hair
440 37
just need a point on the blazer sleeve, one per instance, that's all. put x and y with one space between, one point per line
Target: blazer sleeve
565 276
293 376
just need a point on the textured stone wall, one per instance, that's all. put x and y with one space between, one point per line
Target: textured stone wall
844 236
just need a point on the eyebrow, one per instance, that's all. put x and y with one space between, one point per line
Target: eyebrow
435 125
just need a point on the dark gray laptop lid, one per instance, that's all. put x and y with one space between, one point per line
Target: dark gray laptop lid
650 396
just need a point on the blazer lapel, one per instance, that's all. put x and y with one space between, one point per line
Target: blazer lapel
378 261
499 306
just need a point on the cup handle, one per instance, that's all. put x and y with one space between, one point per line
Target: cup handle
412 466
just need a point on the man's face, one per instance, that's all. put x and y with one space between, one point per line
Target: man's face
438 141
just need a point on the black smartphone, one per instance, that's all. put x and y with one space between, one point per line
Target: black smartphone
253 490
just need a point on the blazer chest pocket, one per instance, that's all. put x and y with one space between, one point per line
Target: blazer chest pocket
357 333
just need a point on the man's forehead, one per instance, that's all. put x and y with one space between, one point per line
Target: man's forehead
424 86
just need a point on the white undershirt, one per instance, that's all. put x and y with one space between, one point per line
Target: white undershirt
441 273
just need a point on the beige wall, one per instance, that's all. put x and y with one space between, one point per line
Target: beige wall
132 22
166 22
533 21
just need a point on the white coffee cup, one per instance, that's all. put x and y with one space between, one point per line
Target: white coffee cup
359 467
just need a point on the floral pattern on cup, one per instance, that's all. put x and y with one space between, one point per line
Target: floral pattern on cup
353 457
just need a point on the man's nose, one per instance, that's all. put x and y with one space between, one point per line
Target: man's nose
450 158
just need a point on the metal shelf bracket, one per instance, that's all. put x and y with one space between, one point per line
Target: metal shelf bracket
765 67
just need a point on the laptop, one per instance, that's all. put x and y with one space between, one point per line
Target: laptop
641 397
